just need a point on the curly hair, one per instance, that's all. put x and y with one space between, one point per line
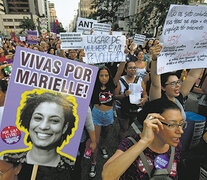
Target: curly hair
34 100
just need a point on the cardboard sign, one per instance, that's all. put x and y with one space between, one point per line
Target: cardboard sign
139 39
84 25
184 39
33 74
70 40
116 33
103 48
101 28
22 38
32 37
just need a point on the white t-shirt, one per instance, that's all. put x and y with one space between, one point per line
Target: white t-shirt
1 113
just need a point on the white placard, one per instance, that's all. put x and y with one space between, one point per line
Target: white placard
22 38
184 39
71 40
116 33
0 42
101 28
104 48
139 39
84 25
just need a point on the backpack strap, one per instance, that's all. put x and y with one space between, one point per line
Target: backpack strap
167 170
124 83
143 158
136 79
171 159
146 164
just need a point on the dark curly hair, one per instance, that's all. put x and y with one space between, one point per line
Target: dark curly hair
34 100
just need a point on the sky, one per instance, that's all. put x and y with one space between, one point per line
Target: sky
65 10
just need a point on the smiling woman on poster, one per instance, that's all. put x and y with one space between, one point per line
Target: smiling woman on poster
49 118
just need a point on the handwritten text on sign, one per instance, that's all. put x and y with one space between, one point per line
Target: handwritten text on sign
184 39
103 48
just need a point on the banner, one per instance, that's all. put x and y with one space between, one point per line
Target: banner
43 27
71 40
103 48
32 37
184 39
84 25
139 39
46 106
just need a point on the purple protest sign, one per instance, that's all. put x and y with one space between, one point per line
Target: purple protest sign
32 37
46 106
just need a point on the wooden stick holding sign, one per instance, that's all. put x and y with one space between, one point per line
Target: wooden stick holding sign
34 172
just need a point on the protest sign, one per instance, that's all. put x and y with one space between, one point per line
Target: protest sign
116 33
22 38
101 28
0 42
184 39
139 39
71 40
41 91
32 37
103 48
84 25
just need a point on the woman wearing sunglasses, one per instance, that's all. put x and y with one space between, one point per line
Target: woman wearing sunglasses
162 129
169 85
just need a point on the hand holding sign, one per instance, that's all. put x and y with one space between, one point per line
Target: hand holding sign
156 51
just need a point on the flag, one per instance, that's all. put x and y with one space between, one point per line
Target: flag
54 27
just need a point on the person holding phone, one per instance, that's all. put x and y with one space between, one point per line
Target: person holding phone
163 127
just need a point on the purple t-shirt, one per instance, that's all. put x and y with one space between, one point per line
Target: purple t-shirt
137 169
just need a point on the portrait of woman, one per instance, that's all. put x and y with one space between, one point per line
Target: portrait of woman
48 119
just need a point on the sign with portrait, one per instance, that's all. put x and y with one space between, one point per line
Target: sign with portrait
184 39
46 106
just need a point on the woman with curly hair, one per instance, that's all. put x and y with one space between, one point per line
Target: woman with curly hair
49 119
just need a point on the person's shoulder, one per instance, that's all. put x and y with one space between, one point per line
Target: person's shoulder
127 142
19 157
65 163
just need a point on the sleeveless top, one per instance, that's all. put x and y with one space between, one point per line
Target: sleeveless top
141 72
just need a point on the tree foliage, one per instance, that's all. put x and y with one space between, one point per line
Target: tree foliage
105 10
27 24
60 29
153 14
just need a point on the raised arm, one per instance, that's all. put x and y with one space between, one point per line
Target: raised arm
119 72
155 87
188 83
121 161
204 85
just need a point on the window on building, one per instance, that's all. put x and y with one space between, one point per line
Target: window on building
8 20
17 20
9 27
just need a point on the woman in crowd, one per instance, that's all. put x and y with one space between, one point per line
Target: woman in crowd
3 54
3 89
102 112
127 112
163 126
140 65
49 118
169 85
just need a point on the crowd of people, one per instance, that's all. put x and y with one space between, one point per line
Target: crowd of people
160 110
